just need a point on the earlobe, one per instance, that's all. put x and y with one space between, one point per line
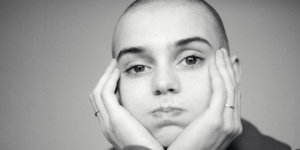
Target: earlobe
236 67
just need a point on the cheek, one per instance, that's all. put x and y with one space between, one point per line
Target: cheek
194 95
196 87
133 93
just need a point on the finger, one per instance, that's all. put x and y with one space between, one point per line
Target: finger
237 125
108 94
96 98
98 110
228 112
219 96
221 64
106 74
229 66
236 68
237 113
228 120
92 101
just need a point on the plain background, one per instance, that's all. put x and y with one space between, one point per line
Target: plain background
53 53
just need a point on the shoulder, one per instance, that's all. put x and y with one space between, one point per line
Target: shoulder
252 139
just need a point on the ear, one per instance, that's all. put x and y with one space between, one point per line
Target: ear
236 68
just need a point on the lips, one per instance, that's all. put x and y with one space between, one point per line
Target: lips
164 112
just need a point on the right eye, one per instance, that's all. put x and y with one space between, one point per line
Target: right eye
137 69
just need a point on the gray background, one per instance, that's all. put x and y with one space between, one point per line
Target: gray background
53 52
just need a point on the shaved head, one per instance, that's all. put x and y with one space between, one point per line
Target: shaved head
140 4
163 46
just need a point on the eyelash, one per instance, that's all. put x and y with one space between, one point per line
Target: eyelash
198 60
131 70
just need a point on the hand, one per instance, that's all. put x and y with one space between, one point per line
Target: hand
119 126
218 126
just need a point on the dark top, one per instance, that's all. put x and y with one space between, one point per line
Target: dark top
250 139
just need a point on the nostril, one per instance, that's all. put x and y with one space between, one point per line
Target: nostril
157 92
160 92
171 90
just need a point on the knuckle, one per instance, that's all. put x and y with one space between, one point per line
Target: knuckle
228 129
94 94
104 94
234 89
115 120
113 130
216 123
91 97
234 84
231 87
107 126
237 130
240 130
106 130
224 93
106 134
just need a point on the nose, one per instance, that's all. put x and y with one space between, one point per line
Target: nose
165 81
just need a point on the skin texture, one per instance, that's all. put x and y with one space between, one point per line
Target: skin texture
167 57
158 32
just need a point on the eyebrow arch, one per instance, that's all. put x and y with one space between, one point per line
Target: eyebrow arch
192 39
131 50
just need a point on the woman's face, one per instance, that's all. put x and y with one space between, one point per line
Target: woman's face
163 55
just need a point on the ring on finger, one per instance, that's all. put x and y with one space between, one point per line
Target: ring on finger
229 106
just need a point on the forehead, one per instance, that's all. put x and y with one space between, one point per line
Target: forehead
158 25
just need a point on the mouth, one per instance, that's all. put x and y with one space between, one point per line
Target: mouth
167 112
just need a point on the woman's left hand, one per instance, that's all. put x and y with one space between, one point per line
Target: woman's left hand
220 123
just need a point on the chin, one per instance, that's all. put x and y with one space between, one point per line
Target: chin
167 135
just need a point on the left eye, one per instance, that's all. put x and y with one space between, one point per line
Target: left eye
191 60
139 68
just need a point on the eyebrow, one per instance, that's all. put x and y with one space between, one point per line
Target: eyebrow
131 50
182 42
192 39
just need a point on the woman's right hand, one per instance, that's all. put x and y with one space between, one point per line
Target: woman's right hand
119 126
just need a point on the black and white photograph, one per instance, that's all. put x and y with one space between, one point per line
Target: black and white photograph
149 74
